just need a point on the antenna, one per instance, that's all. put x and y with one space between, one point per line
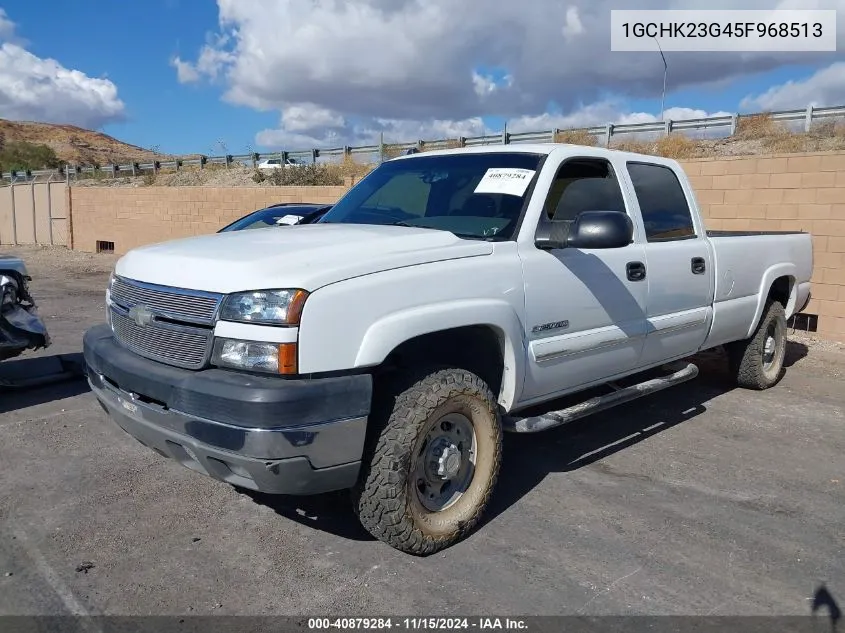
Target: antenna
665 72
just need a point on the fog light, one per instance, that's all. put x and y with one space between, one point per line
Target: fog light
277 358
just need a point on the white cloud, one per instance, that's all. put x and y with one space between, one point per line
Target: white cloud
485 85
8 28
305 117
412 59
403 130
368 132
186 72
213 58
415 64
601 113
36 89
572 26
824 88
407 131
482 84
210 63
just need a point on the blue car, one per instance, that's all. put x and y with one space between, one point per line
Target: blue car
285 213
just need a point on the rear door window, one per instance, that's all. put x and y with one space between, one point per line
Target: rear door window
663 203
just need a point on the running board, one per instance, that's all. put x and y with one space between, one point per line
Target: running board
682 373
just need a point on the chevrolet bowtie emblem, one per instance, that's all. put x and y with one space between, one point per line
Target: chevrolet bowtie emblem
141 314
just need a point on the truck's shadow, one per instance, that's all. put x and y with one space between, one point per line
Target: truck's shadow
528 459
331 512
795 352
28 382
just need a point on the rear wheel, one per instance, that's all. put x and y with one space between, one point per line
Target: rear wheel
757 362
432 463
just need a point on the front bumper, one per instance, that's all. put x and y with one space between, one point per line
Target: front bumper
264 433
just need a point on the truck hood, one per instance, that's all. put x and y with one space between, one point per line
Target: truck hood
307 256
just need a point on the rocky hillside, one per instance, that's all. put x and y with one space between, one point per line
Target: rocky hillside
73 144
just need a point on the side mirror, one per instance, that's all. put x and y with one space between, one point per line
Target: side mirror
591 229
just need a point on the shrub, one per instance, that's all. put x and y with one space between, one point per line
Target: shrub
757 126
637 147
392 151
351 168
312 174
21 156
789 143
449 143
576 137
677 146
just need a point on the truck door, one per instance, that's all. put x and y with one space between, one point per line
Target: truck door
584 308
679 263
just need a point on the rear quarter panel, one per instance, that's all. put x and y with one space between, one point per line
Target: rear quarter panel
746 266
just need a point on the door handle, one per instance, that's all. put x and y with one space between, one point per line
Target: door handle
698 266
635 271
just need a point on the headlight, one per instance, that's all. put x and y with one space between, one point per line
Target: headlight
266 307
276 358
108 298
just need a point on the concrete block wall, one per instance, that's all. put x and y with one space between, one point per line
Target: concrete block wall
790 192
131 217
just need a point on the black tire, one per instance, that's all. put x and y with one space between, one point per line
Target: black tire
388 498
748 359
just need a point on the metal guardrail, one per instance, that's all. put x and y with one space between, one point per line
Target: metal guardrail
808 116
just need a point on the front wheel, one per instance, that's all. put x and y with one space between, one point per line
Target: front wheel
432 465
757 362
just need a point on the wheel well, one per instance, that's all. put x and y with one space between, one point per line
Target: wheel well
476 348
781 290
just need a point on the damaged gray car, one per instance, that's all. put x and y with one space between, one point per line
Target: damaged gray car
21 328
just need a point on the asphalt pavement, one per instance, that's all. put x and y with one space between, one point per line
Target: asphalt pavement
703 499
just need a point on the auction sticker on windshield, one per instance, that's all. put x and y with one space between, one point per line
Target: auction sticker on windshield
507 180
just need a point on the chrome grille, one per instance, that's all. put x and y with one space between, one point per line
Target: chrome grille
182 346
173 303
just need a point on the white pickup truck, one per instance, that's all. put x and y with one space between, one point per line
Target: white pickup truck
385 348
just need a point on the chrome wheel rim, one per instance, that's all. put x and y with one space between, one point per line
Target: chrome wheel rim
772 353
445 463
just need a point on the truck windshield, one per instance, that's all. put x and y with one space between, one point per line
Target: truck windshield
474 196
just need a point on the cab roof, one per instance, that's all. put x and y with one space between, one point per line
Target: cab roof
540 148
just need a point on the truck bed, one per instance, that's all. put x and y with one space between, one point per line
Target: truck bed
746 265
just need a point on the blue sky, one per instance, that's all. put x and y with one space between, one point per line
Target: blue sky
159 111
311 94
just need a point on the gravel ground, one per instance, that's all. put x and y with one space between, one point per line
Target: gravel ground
699 500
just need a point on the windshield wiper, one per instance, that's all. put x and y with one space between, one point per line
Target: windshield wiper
414 226
482 238
471 236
